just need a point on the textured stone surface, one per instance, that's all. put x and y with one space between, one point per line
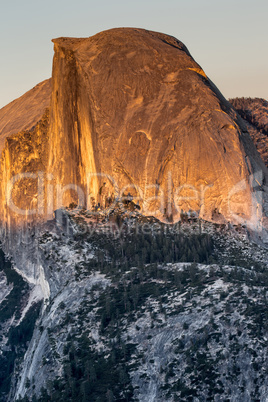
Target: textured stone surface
135 105
131 109
25 153
255 113
24 112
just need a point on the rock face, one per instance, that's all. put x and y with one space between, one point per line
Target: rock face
255 113
23 163
23 150
133 104
24 112
132 112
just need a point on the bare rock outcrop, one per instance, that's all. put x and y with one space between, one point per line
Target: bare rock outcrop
23 113
132 113
255 113
135 106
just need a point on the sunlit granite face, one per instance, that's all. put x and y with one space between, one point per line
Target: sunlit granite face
131 112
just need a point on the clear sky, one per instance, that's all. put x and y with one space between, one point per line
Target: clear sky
228 38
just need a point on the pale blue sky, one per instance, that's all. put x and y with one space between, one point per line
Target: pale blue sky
229 39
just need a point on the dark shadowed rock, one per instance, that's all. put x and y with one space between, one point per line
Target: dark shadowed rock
255 113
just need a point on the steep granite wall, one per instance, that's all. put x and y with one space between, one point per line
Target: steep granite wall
23 173
134 105
130 112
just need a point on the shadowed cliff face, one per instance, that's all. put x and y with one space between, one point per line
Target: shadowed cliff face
254 111
132 112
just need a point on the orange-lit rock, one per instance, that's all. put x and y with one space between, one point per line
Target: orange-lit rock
23 113
131 109
134 104
26 154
